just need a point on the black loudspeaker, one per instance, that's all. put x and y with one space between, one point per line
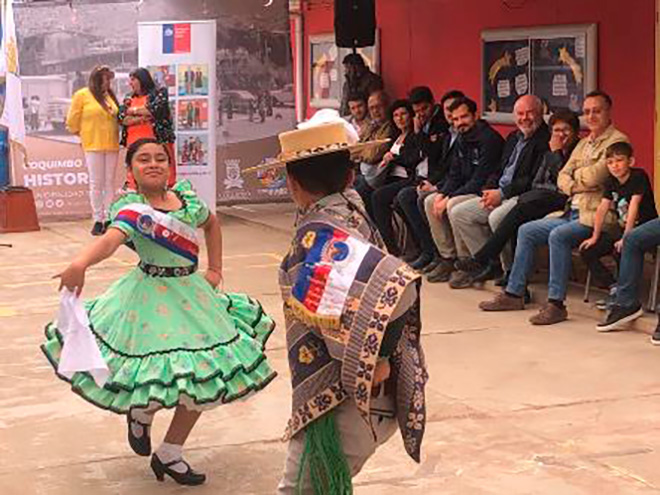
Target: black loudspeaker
355 23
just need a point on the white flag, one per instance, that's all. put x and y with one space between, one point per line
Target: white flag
11 94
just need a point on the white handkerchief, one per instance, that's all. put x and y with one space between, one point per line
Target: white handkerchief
80 351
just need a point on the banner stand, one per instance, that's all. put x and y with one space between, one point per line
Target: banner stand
182 57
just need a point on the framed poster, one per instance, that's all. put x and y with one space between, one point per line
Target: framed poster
326 77
556 63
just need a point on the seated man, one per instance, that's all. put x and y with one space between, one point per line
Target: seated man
474 220
369 159
430 125
628 193
359 117
410 200
544 198
583 179
477 154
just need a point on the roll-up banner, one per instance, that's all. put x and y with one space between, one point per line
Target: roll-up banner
181 57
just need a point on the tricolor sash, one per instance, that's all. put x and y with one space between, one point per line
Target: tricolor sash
161 228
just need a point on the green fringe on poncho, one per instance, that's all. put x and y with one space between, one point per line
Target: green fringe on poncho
323 457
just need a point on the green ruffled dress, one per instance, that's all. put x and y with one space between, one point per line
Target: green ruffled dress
170 340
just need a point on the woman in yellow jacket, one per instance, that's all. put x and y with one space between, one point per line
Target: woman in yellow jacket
93 117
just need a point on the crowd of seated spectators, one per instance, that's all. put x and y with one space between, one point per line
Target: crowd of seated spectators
463 205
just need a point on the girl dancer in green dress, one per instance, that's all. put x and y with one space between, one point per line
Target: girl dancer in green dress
169 339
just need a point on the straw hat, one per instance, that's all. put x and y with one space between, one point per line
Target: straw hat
316 137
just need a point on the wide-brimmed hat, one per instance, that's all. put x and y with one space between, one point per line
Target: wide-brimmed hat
313 139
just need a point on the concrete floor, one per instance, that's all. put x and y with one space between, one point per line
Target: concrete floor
513 409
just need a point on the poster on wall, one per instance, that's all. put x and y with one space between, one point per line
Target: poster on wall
508 74
194 65
555 63
559 71
327 72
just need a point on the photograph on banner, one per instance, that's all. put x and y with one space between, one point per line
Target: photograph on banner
193 115
165 77
192 150
193 79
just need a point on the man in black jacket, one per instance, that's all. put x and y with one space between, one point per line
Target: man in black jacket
410 201
474 220
476 157
430 125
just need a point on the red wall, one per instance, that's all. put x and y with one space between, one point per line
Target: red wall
437 43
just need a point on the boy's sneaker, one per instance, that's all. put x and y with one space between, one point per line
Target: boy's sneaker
620 315
608 303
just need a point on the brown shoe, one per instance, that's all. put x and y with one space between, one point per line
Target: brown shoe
549 315
461 280
442 272
503 302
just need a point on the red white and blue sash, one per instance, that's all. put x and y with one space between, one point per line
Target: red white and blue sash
334 261
161 228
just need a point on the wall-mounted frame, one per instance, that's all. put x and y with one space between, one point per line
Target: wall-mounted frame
556 63
326 72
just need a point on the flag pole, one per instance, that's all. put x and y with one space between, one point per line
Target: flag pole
17 205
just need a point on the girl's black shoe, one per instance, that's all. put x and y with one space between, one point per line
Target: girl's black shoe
189 478
141 445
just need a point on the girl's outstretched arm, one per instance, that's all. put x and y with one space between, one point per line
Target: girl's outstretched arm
73 277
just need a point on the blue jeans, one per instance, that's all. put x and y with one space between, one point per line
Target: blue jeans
408 201
562 235
639 240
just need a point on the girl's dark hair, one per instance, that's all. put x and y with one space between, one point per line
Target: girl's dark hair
322 174
147 84
135 147
566 116
95 85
